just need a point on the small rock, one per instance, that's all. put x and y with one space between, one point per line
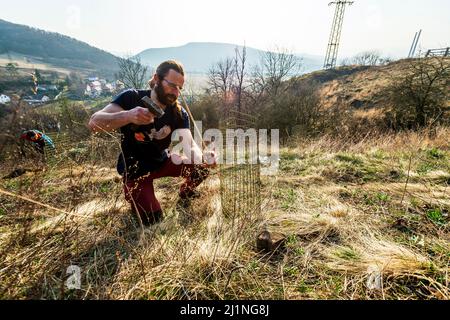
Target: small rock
401 225
264 242
374 279
270 242
394 174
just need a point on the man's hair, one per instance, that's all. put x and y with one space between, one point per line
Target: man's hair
164 68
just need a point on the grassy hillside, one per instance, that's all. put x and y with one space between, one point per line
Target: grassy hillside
362 89
28 63
360 214
365 220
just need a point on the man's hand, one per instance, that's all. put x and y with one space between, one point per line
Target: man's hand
140 116
210 159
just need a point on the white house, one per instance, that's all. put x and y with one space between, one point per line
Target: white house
109 87
97 86
93 89
4 99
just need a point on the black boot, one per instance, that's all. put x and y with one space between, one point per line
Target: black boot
151 218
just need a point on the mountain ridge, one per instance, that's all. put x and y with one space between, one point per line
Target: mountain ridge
198 57
60 50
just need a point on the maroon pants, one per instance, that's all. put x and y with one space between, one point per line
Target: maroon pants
141 194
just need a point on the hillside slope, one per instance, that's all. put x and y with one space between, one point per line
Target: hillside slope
359 86
361 221
53 48
362 90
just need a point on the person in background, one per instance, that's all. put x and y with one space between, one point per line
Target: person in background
38 139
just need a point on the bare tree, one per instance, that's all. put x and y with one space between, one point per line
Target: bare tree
132 72
367 58
229 78
275 68
419 95
279 65
221 76
240 75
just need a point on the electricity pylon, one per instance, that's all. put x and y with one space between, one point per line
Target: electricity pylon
333 45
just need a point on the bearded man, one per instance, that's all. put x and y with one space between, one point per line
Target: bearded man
145 141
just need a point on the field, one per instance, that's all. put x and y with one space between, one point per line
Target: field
28 63
360 219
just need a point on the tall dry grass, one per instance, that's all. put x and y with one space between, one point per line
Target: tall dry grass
338 245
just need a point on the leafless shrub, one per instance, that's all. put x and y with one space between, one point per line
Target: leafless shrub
420 94
132 73
367 58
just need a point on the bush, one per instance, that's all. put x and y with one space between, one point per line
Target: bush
294 111
206 109
420 94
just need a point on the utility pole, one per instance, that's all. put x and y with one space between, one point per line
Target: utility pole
335 36
412 51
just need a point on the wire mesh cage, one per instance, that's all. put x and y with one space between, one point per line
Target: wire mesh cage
240 181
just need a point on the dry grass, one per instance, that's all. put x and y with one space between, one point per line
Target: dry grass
30 64
364 219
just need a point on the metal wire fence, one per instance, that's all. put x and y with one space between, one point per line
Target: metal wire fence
240 183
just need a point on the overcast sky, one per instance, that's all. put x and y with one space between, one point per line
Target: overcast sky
302 26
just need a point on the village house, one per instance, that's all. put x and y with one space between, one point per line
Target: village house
96 87
93 89
4 99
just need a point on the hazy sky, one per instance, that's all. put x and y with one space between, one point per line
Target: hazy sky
300 25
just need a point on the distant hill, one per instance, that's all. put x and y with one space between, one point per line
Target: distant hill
42 48
197 57
54 49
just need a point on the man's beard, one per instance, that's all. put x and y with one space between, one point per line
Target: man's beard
166 99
